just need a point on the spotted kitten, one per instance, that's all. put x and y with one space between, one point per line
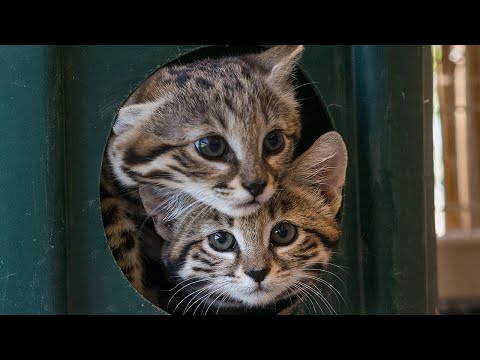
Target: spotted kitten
216 262
219 130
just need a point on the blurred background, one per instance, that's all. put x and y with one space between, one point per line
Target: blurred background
456 135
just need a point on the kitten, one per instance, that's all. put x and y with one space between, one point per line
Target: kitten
261 260
221 130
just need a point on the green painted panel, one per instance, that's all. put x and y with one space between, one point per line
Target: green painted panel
99 79
32 249
394 97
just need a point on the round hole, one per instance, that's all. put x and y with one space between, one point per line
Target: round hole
122 210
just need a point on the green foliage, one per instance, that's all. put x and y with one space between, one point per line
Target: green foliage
436 55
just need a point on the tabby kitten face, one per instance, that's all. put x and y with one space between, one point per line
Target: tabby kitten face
220 130
262 258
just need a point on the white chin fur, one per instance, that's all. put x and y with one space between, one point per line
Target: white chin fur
255 299
240 211
235 208
246 294
229 206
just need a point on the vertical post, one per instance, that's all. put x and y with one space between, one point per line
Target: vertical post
32 252
472 56
446 94
394 109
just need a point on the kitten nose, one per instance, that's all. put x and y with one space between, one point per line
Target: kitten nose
258 274
255 187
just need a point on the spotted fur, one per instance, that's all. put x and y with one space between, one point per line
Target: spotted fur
240 98
309 198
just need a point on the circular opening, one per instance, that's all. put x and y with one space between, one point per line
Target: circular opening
124 214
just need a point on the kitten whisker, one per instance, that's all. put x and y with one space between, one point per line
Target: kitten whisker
306 84
183 287
328 272
226 296
300 295
339 267
307 295
214 300
324 299
207 296
186 297
181 282
201 297
327 284
197 297
316 291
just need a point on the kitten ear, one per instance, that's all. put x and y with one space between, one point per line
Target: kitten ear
159 203
280 61
129 115
321 170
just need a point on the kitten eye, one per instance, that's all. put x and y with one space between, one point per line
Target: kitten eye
211 146
222 241
273 142
283 234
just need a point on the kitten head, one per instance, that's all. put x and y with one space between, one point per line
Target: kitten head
263 258
221 130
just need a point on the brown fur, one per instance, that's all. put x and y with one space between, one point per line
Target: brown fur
309 198
239 98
